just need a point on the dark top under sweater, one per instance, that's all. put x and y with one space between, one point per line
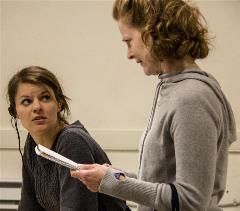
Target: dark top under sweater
49 186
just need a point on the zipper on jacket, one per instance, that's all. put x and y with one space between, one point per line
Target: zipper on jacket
150 120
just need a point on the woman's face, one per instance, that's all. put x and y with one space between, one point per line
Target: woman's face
136 49
37 108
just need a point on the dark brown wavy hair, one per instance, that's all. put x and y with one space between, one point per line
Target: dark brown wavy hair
38 76
176 28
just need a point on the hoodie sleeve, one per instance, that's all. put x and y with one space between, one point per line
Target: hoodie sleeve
195 129
74 195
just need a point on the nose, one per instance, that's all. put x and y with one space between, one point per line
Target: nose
130 54
37 106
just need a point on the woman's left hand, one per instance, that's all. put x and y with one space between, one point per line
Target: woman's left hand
91 175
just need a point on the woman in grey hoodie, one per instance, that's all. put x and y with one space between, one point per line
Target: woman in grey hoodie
184 150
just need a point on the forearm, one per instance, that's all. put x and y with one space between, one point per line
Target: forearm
131 189
154 195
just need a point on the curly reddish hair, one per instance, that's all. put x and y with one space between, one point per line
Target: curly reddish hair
176 28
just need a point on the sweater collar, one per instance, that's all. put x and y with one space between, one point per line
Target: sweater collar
171 75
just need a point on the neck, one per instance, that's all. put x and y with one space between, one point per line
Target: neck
173 65
47 138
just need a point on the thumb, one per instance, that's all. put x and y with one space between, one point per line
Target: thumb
87 166
82 171
79 174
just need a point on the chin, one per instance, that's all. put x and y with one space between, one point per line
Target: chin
40 129
147 73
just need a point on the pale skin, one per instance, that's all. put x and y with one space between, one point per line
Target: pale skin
92 175
37 109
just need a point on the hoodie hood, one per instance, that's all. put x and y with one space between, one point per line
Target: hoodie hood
208 79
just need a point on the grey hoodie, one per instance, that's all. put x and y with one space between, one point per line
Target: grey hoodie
186 143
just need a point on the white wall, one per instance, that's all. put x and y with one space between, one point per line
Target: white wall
79 41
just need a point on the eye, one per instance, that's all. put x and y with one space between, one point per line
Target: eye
128 42
26 102
46 97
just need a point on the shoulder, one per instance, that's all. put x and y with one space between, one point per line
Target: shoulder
193 99
75 130
75 143
193 92
74 134
75 137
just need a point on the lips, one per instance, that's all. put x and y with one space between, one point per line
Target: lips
38 118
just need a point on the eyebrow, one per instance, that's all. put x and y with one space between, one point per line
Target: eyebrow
42 93
125 39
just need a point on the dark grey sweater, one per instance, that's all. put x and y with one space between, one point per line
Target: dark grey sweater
186 143
48 186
